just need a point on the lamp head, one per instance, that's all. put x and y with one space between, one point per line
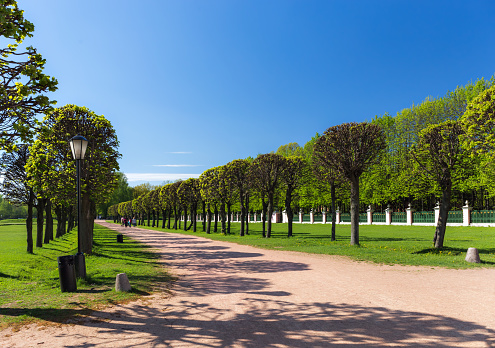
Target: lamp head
78 145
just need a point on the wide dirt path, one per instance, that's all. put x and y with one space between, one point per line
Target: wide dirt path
229 295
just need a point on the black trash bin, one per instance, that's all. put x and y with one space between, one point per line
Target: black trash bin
67 273
120 238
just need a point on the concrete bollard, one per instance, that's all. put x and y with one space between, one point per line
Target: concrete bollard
122 283
473 255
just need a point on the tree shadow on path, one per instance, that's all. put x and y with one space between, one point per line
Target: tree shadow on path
269 323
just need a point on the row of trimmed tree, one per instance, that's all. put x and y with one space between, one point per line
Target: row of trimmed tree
428 152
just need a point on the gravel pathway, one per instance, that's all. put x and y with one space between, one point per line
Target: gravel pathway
230 295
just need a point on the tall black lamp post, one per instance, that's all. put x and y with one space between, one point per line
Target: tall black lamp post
78 145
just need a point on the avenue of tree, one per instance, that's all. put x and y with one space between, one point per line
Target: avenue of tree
439 152
436 153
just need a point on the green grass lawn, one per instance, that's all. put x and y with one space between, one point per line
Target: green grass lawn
30 286
406 245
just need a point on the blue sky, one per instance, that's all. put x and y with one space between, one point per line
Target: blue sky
190 85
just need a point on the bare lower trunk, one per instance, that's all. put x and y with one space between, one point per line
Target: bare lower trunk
29 222
175 218
88 212
228 217
269 217
61 212
193 217
263 216
169 212
334 214
215 225
223 217
164 216
40 222
288 210
49 222
185 218
355 211
442 218
208 225
243 215
70 219
247 213
204 215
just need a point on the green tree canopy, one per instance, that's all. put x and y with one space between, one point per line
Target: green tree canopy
98 178
23 83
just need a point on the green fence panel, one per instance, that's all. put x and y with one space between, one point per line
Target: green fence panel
455 216
345 217
363 217
482 216
379 217
399 216
423 217
318 218
306 218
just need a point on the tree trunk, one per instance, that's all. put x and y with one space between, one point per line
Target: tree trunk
334 214
175 218
164 216
247 211
354 211
148 217
204 215
215 226
442 217
263 215
229 215
243 214
180 217
208 225
169 213
223 217
193 216
61 212
40 222
185 218
70 219
153 213
49 222
288 210
59 219
88 212
29 222
269 216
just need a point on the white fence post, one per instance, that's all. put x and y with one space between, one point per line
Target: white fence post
466 214
409 215
370 215
388 216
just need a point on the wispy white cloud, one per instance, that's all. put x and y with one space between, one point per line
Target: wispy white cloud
177 165
158 176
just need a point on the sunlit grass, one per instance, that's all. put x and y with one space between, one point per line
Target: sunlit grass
30 286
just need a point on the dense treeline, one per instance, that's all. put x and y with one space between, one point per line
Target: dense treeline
434 153
11 211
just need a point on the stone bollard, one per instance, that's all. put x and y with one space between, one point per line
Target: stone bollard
472 255
122 283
